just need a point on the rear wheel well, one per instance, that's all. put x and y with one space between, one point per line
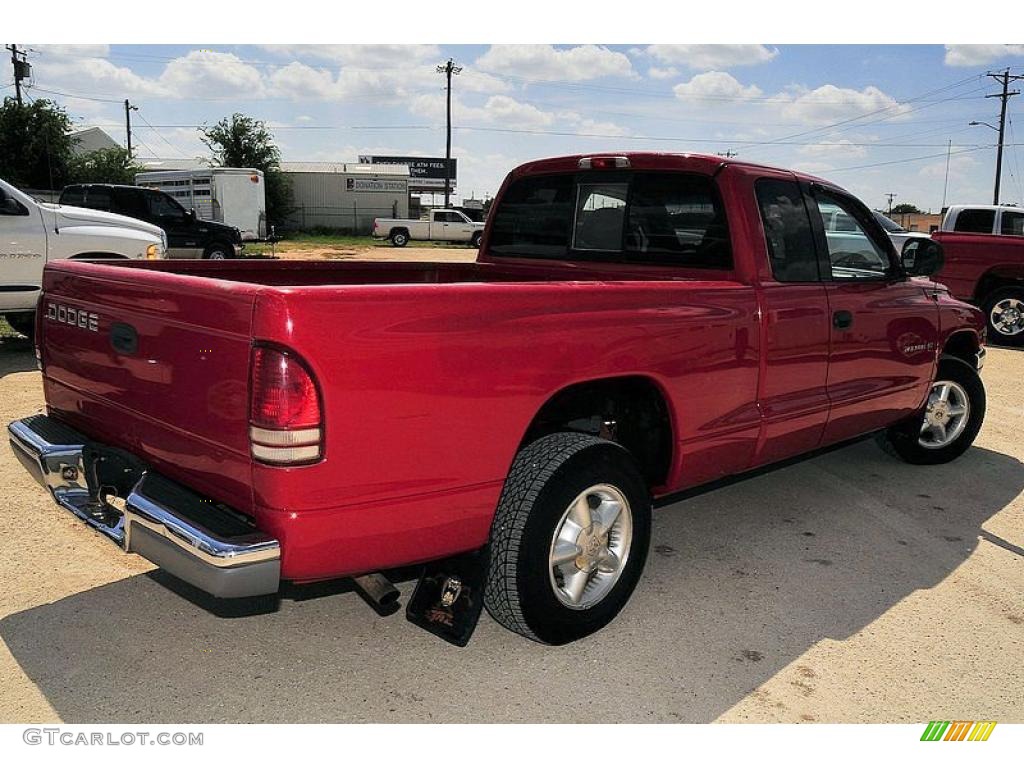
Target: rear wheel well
629 410
963 345
990 282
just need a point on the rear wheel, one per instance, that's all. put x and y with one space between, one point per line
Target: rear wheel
569 538
23 323
399 239
1004 313
949 422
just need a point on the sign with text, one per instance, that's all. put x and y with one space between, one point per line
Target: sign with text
424 172
374 185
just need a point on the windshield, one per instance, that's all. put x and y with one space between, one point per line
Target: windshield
888 224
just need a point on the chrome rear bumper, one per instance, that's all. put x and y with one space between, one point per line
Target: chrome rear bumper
202 543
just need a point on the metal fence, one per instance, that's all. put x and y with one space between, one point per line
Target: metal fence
354 219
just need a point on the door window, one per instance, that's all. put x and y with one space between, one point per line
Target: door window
73 196
853 252
130 202
787 231
975 220
98 198
165 207
1013 223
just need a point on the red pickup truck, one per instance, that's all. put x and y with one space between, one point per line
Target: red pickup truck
984 264
635 325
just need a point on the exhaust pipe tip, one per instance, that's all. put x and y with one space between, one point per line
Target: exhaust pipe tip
379 592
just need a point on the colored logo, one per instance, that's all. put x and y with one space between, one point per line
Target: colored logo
958 730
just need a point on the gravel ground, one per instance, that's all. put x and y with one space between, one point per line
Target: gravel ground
848 588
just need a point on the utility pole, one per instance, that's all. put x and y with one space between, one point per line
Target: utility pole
128 124
22 69
890 195
945 184
1004 78
448 69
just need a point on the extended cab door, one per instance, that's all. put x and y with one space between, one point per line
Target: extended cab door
22 253
884 326
793 304
183 239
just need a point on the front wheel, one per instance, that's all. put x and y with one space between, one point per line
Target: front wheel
1004 313
24 323
218 252
950 421
569 538
475 241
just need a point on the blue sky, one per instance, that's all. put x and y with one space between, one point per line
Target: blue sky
875 119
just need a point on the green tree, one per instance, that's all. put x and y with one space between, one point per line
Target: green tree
241 141
906 208
104 166
35 144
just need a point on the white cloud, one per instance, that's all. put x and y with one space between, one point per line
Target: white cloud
213 75
72 49
366 56
829 103
979 55
662 73
601 127
711 56
715 85
299 81
545 62
498 110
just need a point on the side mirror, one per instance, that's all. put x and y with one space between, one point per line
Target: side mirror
191 215
922 257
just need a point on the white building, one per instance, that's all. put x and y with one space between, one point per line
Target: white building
91 140
346 196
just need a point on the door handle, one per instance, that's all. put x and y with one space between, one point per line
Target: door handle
842 319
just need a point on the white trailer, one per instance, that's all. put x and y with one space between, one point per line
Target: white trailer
233 196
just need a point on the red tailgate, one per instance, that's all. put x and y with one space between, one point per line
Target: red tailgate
155 363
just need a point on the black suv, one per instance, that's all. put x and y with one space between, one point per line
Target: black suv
187 236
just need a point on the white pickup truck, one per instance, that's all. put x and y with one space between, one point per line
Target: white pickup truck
443 225
33 233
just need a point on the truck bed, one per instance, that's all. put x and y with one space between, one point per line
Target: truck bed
429 376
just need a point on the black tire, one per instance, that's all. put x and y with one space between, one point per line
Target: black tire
903 439
218 252
23 323
477 237
400 238
988 306
545 478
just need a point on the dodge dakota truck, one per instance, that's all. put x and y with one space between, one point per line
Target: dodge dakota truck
635 325
32 234
445 225
984 253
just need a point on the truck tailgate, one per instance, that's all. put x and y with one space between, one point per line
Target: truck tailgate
155 363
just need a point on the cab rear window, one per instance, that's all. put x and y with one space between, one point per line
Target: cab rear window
644 218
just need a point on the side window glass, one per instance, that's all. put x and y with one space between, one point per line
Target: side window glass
787 231
73 196
975 220
600 216
853 253
99 198
1013 223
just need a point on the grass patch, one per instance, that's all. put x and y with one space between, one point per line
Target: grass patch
6 332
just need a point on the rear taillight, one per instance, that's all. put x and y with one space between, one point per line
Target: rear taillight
285 418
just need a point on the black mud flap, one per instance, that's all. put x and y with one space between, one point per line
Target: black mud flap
449 597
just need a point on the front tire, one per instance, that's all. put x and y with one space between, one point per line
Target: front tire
23 323
475 241
1004 314
949 422
569 538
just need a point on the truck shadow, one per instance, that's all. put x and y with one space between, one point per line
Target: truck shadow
740 582
16 355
